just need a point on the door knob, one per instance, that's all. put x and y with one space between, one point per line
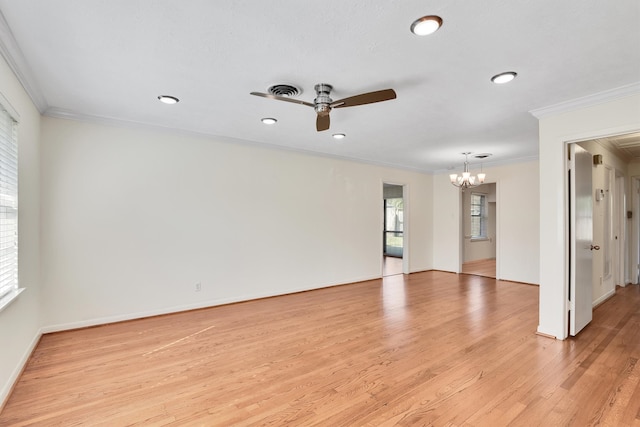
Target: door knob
596 248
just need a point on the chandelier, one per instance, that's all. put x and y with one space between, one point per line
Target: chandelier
466 180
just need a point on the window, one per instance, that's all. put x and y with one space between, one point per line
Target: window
478 216
8 202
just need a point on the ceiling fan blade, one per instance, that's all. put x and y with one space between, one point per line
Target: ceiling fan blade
282 98
365 98
322 122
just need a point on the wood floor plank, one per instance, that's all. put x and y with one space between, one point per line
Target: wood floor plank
480 267
429 348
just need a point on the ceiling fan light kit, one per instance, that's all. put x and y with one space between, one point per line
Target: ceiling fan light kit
323 104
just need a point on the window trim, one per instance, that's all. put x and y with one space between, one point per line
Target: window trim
483 217
9 296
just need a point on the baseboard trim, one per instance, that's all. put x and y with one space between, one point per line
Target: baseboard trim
542 334
7 388
604 298
181 308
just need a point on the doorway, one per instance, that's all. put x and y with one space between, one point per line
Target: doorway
598 262
479 213
393 229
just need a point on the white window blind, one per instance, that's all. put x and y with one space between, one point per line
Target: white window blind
8 203
478 216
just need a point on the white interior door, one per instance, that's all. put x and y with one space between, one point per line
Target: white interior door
581 228
619 230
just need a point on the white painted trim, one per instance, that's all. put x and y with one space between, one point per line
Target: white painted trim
135 125
604 297
499 256
461 219
185 307
9 297
634 269
486 165
406 266
11 53
587 101
4 103
406 230
17 371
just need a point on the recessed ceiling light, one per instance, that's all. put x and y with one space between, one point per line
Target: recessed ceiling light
338 135
505 77
269 120
167 99
426 25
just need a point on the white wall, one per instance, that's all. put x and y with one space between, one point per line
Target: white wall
133 219
634 168
19 322
517 222
615 117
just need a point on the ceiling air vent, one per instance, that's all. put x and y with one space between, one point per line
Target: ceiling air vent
284 90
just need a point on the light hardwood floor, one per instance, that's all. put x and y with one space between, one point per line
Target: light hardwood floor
429 348
391 265
480 267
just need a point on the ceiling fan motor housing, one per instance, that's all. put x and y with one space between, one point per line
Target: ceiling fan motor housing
323 100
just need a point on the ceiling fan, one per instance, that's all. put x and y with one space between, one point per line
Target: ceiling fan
323 102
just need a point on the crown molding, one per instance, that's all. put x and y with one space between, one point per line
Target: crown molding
11 53
587 101
487 165
60 113
613 149
111 121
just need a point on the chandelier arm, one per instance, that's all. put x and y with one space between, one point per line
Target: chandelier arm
466 180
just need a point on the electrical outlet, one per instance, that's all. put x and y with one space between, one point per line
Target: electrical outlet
198 287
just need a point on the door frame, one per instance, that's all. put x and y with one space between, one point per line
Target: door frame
634 252
461 242
566 141
619 226
405 225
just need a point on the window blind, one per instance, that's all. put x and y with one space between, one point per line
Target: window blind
8 203
478 216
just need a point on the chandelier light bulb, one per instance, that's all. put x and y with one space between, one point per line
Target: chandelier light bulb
466 180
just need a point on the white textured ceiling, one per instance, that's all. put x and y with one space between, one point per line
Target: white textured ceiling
112 58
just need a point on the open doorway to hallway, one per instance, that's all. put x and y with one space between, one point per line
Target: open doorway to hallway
479 210
393 229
